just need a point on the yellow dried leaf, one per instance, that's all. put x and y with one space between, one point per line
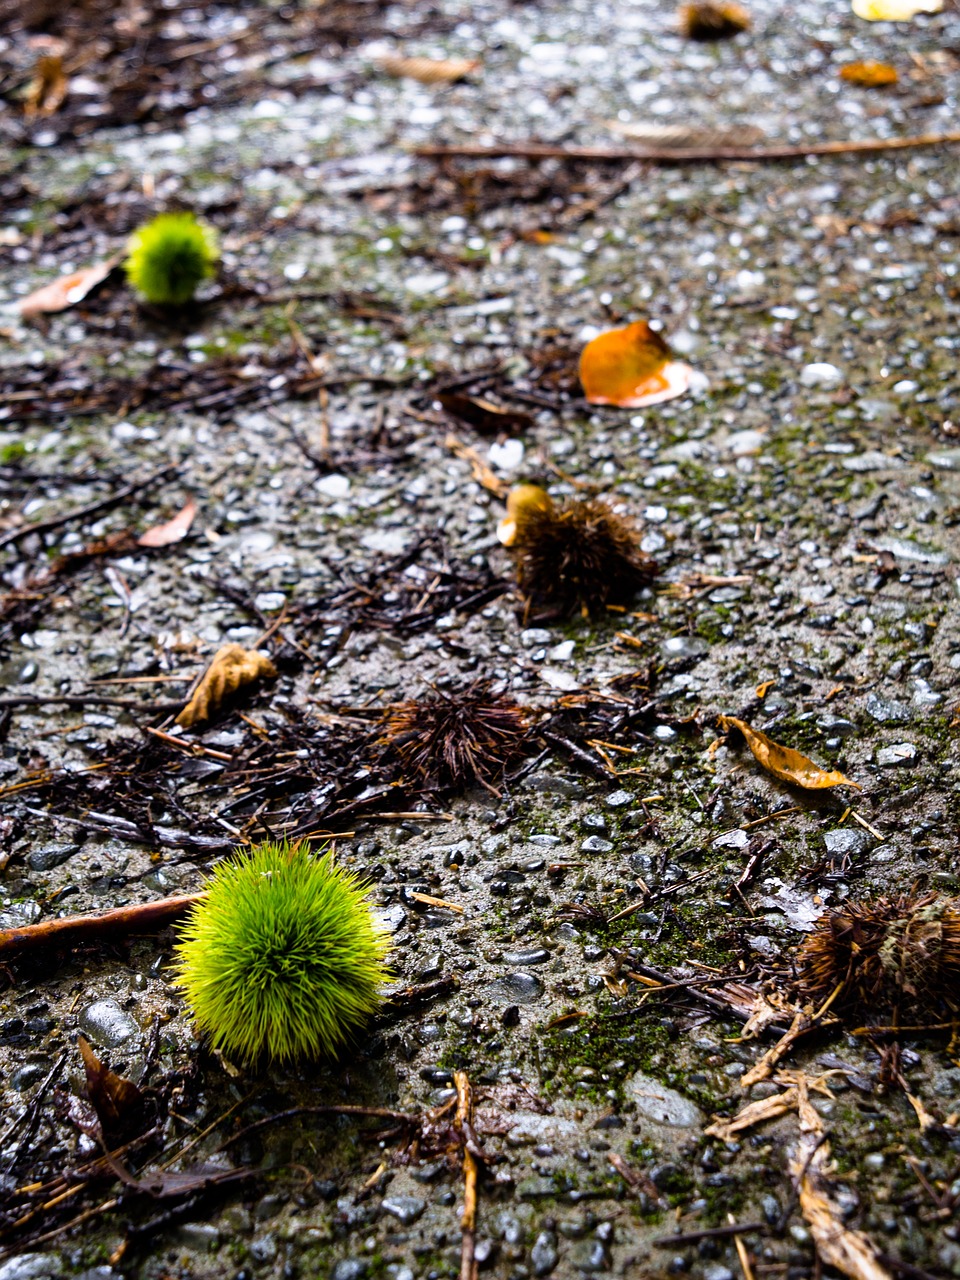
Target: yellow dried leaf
232 668
894 10
785 763
428 70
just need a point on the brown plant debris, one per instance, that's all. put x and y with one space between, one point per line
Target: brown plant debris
457 739
232 668
713 21
885 954
579 556
118 1102
428 70
783 762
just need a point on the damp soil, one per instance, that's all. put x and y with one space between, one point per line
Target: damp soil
802 503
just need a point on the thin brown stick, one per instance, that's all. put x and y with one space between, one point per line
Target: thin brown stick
709 1233
687 155
140 917
91 509
468 1223
89 700
377 1113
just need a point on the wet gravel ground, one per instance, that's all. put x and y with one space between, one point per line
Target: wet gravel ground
816 463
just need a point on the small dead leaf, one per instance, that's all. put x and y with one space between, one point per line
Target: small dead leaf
480 471
428 70
783 762
763 689
894 10
678 136
488 419
48 88
630 368
232 668
713 21
869 75
525 497
118 1102
175 530
753 1113
65 292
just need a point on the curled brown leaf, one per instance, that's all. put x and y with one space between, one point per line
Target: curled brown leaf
785 763
117 1101
232 668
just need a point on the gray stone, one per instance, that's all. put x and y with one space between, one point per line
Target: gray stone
516 988
264 1248
837 726
886 710
544 1255
199 1235
547 784
845 842
898 753
406 1209
945 459
684 647
717 1271
106 1024
619 799
350 1269
662 1105
31 1266
596 844
50 855
736 839
539 955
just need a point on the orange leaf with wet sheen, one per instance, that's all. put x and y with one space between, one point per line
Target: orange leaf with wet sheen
631 368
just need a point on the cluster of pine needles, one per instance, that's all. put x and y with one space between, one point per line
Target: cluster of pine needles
454 740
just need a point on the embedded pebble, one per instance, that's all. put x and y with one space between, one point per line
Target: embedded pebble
661 1104
106 1024
898 753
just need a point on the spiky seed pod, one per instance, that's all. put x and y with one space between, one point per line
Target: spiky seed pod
169 257
284 959
579 556
458 739
885 954
713 21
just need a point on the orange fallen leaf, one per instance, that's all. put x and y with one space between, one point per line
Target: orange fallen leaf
428 70
65 292
869 75
118 1102
783 762
232 668
524 498
175 530
631 367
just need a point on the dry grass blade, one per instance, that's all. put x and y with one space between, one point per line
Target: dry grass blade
686 135
753 1113
428 70
232 668
783 762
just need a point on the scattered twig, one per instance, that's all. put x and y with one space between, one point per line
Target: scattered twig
687 155
709 1233
91 509
468 1262
139 917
